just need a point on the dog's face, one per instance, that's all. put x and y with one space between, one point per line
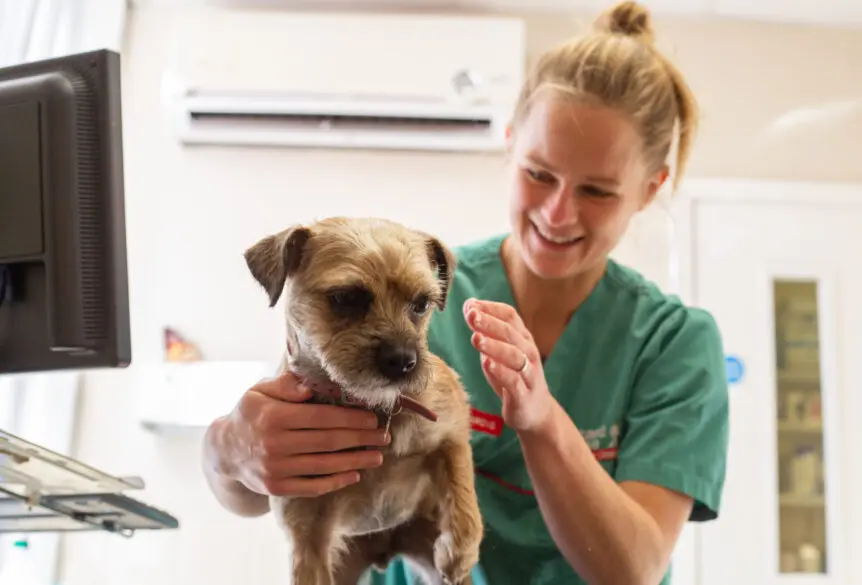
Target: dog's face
359 294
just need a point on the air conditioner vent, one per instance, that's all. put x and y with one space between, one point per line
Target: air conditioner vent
354 122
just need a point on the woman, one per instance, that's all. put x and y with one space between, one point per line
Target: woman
600 404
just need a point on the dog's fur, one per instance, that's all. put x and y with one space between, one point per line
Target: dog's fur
350 285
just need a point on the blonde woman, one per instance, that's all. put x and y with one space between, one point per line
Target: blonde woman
600 403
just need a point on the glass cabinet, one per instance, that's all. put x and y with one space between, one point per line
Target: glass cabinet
800 453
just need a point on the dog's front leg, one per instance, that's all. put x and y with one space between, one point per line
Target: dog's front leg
311 527
456 550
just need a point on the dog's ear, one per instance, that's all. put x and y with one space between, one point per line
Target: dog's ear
275 258
444 261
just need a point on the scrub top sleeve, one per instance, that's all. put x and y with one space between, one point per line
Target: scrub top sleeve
677 426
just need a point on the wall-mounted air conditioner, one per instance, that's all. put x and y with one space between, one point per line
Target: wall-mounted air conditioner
382 81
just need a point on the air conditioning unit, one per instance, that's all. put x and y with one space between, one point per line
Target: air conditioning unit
325 80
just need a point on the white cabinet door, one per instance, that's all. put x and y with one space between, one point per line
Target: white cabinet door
783 279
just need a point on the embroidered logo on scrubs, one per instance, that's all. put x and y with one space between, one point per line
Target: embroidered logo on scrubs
603 441
484 422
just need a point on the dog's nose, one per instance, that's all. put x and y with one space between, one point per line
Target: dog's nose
395 360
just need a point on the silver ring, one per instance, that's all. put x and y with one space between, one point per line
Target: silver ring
525 366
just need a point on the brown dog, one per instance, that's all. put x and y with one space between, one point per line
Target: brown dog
359 294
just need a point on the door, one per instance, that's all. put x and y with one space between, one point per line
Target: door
783 280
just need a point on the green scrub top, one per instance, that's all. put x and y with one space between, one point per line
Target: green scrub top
640 374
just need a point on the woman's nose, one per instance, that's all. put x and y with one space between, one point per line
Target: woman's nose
560 208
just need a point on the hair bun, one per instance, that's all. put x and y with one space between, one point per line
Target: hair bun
629 19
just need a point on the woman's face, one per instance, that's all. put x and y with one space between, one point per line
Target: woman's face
579 177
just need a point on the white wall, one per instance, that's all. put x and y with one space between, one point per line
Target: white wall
190 216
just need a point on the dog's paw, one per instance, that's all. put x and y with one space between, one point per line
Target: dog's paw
454 564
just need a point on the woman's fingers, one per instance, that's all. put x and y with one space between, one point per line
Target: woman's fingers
302 442
507 383
325 464
499 351
310 487
492 326
329 416
499 319
502 311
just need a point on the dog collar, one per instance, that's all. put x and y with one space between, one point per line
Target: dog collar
333 392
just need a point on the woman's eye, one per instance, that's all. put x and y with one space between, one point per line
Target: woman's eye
539 176
594 191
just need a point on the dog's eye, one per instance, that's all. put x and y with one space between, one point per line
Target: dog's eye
421 304
350 302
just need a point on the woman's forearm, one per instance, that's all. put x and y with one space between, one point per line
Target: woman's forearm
603 533
231 494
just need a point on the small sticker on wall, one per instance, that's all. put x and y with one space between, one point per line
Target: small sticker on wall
734 369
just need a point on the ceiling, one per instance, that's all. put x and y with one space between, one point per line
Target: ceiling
821 12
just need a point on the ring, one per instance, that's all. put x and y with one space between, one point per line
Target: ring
524 367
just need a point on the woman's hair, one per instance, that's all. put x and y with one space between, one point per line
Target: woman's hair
616 65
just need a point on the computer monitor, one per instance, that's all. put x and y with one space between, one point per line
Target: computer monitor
64 300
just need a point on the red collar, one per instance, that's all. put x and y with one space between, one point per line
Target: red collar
332 391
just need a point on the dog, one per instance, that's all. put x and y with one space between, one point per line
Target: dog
358 296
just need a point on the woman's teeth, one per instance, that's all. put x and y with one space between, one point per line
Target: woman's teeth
556 239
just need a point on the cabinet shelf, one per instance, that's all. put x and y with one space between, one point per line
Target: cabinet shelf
801 427
790 500
799 379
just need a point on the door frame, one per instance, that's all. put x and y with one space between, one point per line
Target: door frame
683 211
682 278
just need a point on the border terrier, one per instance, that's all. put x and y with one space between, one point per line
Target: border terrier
359 293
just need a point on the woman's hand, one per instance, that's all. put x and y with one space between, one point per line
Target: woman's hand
275 443
511 363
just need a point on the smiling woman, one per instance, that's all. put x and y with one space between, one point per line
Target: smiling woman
599 403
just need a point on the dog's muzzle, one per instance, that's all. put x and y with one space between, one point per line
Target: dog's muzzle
395 361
